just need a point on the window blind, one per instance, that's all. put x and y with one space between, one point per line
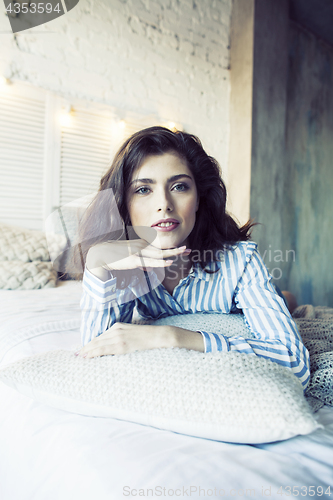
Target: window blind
85 153
22 133
88 145
46 164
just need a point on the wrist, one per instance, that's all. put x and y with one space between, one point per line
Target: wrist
164 337
96 266
188 339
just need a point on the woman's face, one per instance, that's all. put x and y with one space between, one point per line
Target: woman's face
163 195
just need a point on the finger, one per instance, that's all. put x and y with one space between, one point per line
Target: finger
111 348
86 349
147 263
102 350
108 337
169 252
96 349
97 342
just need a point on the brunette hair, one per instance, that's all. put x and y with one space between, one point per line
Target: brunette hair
214 228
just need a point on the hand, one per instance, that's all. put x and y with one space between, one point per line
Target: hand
123 338
130 254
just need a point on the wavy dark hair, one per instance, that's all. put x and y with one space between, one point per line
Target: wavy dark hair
214 228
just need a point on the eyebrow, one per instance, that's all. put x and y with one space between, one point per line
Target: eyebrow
171 179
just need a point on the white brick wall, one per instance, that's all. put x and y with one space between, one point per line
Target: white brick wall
164 57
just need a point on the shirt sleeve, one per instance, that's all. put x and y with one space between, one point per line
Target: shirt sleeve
268 318
102 305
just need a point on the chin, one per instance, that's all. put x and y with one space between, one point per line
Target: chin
165 245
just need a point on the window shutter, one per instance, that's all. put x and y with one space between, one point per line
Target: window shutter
22 130
88 144
45 164
85 149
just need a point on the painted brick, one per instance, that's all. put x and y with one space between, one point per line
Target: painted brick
160 57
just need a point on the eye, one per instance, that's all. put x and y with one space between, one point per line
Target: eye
181 186
142 190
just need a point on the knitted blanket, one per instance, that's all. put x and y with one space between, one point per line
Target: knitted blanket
315 325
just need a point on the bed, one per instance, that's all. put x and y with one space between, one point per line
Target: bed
48 453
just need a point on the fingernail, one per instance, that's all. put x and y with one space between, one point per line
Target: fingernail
85 355
182 248
77 353
188 250
169 261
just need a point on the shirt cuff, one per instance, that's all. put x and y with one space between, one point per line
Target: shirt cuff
101 291
214 342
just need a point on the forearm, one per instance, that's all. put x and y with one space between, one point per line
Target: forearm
167 336
123 338
188 339
94 264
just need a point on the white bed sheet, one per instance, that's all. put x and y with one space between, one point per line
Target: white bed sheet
49 454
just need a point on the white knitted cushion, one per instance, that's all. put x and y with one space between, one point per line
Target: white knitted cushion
17 243
229 396
25 259
225 324
18 275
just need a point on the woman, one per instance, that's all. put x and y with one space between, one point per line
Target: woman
182 254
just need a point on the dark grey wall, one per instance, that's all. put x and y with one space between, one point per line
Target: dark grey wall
299 248
309 183
269 107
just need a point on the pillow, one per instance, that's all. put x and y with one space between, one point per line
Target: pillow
23 244
17 275
231 396
25 259
225 324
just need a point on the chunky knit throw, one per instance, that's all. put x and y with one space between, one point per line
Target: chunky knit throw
315 325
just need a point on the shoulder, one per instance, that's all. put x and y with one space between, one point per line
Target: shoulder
240 258
231 261
239 252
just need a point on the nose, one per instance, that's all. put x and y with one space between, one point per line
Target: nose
164 203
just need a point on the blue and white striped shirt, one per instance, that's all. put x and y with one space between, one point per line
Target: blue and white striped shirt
241 284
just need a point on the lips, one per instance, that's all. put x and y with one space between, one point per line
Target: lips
165 223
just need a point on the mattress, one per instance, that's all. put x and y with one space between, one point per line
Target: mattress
49 454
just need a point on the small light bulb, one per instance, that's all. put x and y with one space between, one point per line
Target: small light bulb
65 117
171 125
3 81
